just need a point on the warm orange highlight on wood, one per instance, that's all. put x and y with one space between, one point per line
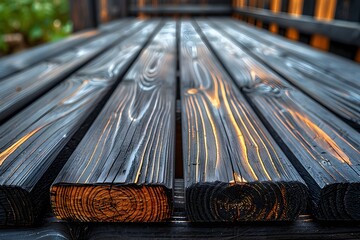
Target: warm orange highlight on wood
252 3
275 6
239 4
259 4
104 11
111 203
295 9
357 58
141 3
325 11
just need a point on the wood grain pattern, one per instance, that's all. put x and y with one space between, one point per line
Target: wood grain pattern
30 141
332 81
324 149
234 170
330 63
50 230
303 228
123 168
22 60
20 89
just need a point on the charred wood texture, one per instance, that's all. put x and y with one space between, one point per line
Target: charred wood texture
234 170
23 60
123 168
332 81
20 89
31 140
324 149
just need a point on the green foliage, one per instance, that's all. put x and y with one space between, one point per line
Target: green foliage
38 21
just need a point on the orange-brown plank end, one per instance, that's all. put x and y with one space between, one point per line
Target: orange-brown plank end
111 203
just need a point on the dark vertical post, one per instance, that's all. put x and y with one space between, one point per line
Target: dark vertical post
308 10
83 14
284 8
347 10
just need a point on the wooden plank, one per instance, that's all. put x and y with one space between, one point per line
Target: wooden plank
349 11
303 228
234 170
84 14
324 11
324 149
49 228
295 9
114 25
342 31
22 60
186 9
31 140
53 231
328 62
110 10
331 81
21 89
275 6
123 168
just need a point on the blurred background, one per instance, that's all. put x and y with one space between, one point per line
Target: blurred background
26 23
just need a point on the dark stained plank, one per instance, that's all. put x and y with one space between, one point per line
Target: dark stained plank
182 9
84 14
234 170
51 230
325 150
308 230
22 60
31 140
123 168
334 64
303 228
20 89
330 80
113 25
341 31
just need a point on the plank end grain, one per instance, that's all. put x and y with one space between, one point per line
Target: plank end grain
111 203
33 143
122 171
339 201
18 200
234 170
323 149
253 201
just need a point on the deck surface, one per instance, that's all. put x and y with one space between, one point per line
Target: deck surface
269 131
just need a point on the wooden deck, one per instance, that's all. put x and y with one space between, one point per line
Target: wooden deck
269 136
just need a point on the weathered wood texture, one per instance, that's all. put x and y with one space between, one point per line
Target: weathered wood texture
123 168
30 141
113 25
325 150
20 89
51 230
303 228
22 60
234 170
332 81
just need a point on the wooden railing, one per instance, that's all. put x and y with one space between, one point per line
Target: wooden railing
329 25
